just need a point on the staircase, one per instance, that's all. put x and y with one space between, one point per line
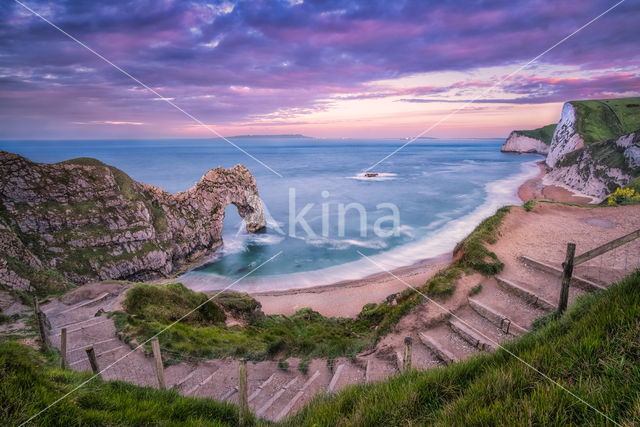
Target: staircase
502 310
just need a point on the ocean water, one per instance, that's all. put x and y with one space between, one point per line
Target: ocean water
425 199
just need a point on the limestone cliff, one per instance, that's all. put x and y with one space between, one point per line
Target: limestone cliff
90 221
583 123
566 138
518 142
598 169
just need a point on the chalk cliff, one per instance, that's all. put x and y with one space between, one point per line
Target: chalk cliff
598 169
518 142
82 220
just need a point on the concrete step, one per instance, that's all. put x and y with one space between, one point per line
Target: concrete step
196 379
510 306
267 409
471 336
378 370
220 382
271 388
586 285
446 344
345 376
503 322
297 398
421 357
525 294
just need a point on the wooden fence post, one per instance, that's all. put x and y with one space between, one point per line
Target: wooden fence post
155 345
406 363
63 348
242 390
40 322
567 265
92 360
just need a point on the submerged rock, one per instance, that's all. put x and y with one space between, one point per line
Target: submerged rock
90 221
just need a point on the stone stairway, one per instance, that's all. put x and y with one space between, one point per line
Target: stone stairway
502 310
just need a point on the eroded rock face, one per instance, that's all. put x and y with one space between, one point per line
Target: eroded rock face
600 168
566 138
91 221
519 143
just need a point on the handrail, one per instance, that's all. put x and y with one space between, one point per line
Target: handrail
606 247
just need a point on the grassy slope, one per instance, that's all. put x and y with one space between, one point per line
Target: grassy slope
599 120
148 309
593 351
544 134
29 383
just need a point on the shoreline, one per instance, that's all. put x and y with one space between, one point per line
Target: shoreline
346 298
536 189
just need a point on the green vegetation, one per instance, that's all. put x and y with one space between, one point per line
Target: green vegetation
475 290
529 205
593 351
474 254
544 134
635 185
30 381
623 196
599 120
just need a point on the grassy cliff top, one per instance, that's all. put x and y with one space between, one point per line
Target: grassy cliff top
544 134
602 119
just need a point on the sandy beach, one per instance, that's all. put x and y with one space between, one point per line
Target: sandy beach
346 299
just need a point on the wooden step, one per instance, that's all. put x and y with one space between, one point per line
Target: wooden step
526 295
500 320
471 336
440 352
584 284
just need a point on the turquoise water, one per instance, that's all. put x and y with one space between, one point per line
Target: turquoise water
441 188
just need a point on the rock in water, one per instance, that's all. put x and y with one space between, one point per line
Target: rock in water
90 221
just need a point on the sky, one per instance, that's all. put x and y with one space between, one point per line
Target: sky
320 68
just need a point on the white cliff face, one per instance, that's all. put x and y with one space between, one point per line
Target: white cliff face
519 143
589 171
566 137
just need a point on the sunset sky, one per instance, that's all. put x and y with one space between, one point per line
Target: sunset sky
320 68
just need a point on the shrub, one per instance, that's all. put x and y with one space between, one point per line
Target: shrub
623 196
283 364
529 205
168 303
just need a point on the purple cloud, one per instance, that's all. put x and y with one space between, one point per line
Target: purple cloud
290 57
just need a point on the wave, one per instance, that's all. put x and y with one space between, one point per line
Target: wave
439 241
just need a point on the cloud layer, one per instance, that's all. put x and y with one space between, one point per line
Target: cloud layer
233 64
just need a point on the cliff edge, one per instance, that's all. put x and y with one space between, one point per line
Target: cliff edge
82 220
529 141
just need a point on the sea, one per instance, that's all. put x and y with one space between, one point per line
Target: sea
331 217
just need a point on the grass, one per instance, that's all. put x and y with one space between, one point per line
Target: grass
599 120
473 253
593 351
544 134
529 205
29 382
475 290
